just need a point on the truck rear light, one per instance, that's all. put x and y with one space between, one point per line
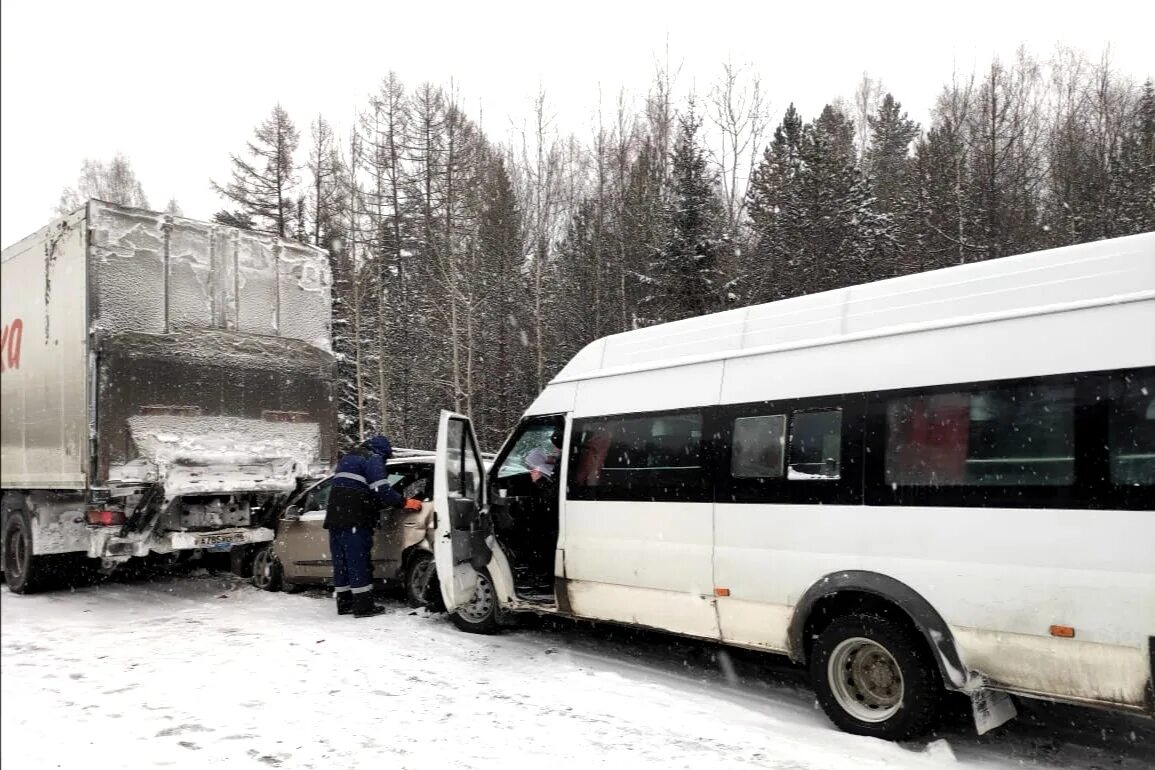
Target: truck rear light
105 518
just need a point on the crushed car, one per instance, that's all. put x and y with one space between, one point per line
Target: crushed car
402 553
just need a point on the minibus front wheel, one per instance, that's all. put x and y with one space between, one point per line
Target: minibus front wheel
479 615
876 677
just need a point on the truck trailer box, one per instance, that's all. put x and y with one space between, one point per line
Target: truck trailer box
162 379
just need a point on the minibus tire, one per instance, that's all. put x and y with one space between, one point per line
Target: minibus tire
473 621
870 650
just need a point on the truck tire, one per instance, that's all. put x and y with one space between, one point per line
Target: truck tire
24 572
480 615
875 676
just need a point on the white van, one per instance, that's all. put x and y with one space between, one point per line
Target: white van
943 481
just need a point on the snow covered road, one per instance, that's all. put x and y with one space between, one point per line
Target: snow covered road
180 672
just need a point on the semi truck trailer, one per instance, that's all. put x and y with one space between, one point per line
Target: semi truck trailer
165 381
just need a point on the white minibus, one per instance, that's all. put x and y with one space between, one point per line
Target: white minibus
938 482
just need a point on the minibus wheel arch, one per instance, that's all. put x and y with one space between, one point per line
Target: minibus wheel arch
841 592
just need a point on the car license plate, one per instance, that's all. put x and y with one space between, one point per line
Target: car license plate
221 542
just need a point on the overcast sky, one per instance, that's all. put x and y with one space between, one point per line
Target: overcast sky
178 90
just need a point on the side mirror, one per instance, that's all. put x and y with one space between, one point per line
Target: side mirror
293 512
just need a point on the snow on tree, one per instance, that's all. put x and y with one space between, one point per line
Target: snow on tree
1133 170
775 206
467 272
501 241
891 135
891 175
687 281
814 210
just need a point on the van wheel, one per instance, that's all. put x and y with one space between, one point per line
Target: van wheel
480 615
421 587
875 677
24 572
267 572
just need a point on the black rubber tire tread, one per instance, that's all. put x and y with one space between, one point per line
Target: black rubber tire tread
488 626
276 574
38 573
922 686
411 597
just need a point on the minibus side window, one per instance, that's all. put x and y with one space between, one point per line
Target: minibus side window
637 457
1131 430
1005 436
816 445
759 447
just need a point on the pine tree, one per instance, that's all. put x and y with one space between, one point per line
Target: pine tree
942 201
263 188
775 209
813 210
847 241
686 270
891 171
1133 173
948 216
640 230
502 397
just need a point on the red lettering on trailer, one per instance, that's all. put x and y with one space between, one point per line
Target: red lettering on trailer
10 339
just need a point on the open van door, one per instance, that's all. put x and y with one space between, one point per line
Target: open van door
462 522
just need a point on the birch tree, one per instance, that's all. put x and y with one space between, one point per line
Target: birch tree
114 182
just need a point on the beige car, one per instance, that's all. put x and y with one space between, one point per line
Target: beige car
402 544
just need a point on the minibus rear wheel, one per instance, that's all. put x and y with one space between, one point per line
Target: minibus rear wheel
875 676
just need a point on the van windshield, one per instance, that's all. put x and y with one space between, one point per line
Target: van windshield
533 449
